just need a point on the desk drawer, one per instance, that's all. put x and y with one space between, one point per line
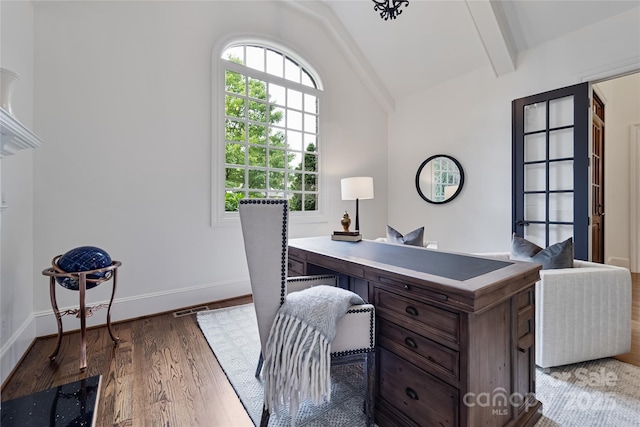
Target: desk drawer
420 396
295 267
433 319
423 352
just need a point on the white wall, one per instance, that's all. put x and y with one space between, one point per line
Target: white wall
622 97
470 118
16 228
123 93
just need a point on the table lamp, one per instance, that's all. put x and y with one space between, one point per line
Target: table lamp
356 188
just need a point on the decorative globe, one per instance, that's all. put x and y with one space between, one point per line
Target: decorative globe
84 258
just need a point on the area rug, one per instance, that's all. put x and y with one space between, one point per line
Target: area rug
600 393
232 334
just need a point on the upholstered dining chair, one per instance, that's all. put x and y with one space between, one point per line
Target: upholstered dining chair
265 232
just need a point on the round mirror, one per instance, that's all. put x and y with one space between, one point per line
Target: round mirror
439 179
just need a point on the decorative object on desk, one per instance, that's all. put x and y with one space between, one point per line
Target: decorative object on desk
7 83
439 179
389 9
356 188
346 236
345 221
414 238
83 258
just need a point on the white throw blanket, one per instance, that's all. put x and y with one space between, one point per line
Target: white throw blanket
298 360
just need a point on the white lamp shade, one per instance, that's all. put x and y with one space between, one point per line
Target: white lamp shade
357 187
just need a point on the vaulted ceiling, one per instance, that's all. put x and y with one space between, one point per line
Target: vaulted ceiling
434 40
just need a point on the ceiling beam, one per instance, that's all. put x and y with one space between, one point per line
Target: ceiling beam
495 35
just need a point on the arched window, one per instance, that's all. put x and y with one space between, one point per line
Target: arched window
271 127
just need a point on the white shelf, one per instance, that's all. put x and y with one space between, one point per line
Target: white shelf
15 136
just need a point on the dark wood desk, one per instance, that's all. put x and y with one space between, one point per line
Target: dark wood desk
454 332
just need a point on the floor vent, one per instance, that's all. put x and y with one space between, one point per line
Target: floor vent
190 311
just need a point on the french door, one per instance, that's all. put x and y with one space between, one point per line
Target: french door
551 167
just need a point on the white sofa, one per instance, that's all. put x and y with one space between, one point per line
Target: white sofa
582 313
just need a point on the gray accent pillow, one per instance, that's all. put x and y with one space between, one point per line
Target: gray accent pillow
414 238
555 256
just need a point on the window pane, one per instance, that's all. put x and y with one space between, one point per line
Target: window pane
234 154
536 233
561 143
294 99
310 123
234 130
561 112
294 119
257 156
257 179
559 233
234 106
277 116
310 202
535 207
276 137
294 140
295 161
257 134
561 207
291 70
307 80
535 177
310 103
535 117
257 111
234 54
276 181
294 181
310 142
231 200
235 82
257 89
255 57
535 147
234 177
276 94
276 159
310 182
561 175
310 162
275 63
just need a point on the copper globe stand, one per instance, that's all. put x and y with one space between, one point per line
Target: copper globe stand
82 312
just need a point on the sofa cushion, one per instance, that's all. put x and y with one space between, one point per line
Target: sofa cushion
559 255
414 238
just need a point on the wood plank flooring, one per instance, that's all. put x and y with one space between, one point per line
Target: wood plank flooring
163 372
633 357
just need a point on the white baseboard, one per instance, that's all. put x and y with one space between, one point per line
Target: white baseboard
44 323
619 262
12 349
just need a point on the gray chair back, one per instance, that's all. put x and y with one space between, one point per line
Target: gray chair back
265 232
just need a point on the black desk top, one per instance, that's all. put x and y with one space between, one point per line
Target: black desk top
443 264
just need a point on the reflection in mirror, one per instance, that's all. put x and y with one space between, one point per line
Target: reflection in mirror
439 179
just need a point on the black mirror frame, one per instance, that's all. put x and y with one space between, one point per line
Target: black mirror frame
460 185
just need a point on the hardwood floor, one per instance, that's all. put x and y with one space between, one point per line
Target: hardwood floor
163 372
633 357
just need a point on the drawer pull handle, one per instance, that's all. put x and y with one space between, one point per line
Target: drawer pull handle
407 287
411 310
411 393
410 342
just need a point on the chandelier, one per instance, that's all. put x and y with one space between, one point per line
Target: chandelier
389 8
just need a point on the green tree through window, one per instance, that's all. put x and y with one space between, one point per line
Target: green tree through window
271 130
